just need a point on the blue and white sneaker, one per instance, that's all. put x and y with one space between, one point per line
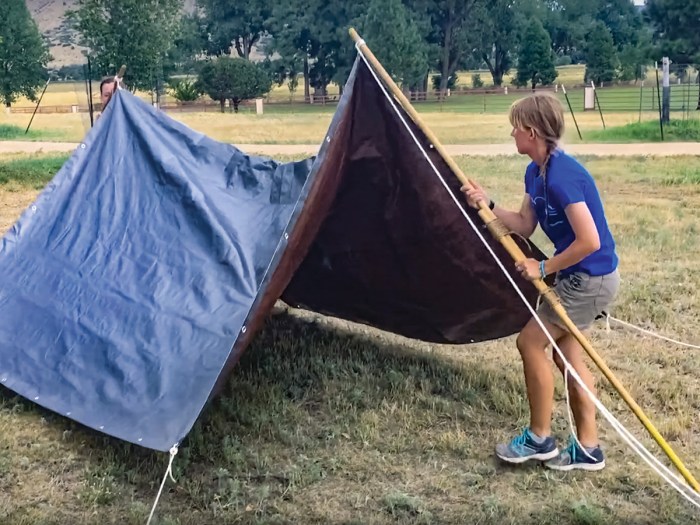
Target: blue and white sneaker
524 447
574 457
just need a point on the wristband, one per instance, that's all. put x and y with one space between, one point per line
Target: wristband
543 273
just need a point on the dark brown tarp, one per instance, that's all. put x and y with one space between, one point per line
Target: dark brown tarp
393 250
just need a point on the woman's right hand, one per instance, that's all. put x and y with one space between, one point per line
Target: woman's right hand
474 194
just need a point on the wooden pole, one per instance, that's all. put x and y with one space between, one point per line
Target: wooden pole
120 76
517 254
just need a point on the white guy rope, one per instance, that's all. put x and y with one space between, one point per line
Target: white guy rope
649 332
168 473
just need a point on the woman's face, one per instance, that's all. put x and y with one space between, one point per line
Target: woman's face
523 140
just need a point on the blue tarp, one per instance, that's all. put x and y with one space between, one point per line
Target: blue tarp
132 285
128 281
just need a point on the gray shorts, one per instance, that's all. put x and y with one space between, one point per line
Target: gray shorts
583 297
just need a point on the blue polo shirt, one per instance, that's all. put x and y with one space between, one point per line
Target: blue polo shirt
568 182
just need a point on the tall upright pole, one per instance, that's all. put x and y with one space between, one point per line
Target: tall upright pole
500 232
658 96
89 82
666 110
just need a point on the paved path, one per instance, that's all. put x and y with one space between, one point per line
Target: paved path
625 150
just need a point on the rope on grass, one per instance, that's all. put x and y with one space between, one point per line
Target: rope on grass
168 473
609 318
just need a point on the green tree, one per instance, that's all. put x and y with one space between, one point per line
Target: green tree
235 79
676 30
536 58
453 32
315 32
569 22
238 25
601 58
633 61
397 41
184 89
190 41
138 33
23 53
499 23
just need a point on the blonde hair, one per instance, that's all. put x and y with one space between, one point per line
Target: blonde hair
543 114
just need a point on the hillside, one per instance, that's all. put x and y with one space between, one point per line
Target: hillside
50 17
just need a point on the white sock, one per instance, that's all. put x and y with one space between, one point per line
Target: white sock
537 439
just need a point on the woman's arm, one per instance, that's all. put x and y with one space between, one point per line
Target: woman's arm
522 222
586 242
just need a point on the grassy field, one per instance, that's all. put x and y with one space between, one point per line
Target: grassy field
460 119
649 131
66 93
328 422
451 124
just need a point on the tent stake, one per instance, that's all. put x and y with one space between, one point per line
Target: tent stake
517 254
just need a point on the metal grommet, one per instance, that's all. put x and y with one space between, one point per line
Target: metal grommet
286 235
82 146
244 329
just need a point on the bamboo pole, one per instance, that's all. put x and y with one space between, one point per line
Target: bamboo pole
517 254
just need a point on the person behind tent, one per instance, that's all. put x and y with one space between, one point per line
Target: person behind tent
563 198
107 87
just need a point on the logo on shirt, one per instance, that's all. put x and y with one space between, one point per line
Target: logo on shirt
548 215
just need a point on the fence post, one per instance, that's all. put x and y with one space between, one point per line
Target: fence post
588 98
666 110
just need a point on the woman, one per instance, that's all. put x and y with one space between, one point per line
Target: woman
561 196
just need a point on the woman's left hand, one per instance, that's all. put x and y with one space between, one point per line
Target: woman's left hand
529 269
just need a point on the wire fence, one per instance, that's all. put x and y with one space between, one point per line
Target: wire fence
641 97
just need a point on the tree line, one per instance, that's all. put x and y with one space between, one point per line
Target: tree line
308 40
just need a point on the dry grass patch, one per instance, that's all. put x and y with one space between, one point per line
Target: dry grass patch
452 126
